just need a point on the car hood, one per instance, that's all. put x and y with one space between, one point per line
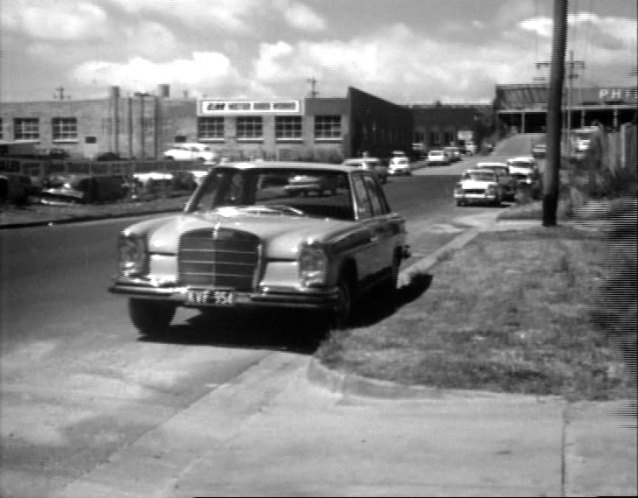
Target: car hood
476 184
281 234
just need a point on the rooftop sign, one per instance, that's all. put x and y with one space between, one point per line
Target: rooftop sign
225 107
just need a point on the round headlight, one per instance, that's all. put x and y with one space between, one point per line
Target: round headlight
131 250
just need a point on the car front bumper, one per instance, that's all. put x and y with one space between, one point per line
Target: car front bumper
475 196
265 297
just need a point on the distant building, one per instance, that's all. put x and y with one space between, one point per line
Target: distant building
440 125
522 108
143 125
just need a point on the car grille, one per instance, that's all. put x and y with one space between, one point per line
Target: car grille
474 191
221 258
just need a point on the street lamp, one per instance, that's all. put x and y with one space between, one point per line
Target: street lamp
141 96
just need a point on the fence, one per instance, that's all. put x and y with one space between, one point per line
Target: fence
39 169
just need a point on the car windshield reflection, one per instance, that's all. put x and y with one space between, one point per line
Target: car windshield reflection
271 191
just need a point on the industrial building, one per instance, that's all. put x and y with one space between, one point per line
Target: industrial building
523 108
143 125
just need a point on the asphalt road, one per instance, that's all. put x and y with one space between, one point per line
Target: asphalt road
77 383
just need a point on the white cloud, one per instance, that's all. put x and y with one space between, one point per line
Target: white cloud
540 25
149 39
202 69
383 66
64 20
226 15
303 17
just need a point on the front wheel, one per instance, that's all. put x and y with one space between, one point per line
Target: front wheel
151 318
341 315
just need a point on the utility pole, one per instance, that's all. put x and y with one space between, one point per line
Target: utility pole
313 93
551 176
60 93
571 65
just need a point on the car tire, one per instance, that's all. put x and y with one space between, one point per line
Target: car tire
342 313
151 318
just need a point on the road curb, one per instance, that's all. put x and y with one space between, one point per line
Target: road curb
356 385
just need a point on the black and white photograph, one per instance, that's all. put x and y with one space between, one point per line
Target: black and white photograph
318 248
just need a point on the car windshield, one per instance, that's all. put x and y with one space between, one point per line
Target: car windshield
479 176
294 192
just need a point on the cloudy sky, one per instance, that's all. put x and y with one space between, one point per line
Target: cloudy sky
405 51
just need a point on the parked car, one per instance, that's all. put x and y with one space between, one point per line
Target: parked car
309 184
437 156
507 181
521 165
83 188
539 150
243 243
529 186
16 188
370 164
454 153
478 186
399 165
109 156
470 147
190 151
54 153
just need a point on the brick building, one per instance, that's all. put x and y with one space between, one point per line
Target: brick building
143 125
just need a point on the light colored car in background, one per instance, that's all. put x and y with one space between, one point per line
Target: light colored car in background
437 156
529 186
373 164
539 150
505 179
478 186
454 153
190 151
521 165
399 165
309 184
243 243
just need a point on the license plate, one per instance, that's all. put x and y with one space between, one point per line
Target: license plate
218 297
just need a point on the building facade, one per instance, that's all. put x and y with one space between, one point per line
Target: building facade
440 125
143 125
523 108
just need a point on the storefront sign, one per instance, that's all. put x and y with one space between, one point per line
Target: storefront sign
225 107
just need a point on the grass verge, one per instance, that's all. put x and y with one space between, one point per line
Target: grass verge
510 312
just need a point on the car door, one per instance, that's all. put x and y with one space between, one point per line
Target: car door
387 225
368 256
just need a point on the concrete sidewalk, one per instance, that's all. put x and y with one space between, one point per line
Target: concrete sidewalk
306 437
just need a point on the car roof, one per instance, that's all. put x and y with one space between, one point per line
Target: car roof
249 165
484 164
353 159
474 170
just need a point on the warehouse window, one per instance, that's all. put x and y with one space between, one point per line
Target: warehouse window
328 127
210 128
26 129
64 129
250 128
288 128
